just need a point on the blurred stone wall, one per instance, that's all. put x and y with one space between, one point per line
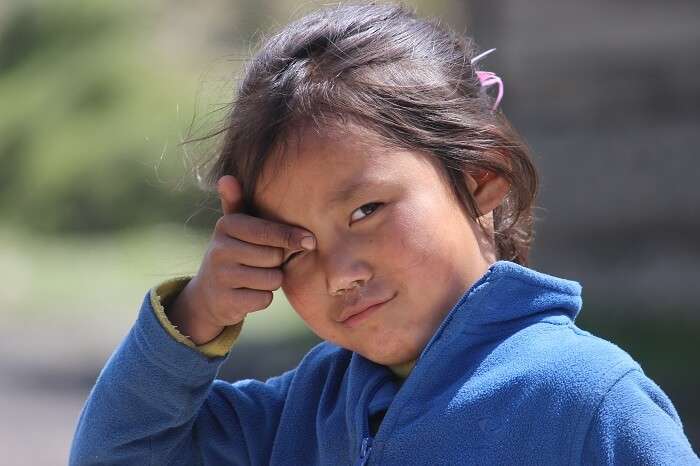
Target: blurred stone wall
607 94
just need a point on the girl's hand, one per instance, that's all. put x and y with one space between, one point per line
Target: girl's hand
239 271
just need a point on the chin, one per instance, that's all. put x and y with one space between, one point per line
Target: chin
389 355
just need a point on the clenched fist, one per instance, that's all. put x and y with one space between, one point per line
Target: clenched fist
239 271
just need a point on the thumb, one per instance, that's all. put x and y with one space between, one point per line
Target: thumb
230 194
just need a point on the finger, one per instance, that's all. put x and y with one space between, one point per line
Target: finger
254 278
266 232
231 250
234 304
230 194
250 300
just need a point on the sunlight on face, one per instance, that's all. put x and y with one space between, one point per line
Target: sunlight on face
388 230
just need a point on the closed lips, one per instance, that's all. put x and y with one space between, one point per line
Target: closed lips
359 308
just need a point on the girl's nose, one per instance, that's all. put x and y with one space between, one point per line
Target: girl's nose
345 272
341 290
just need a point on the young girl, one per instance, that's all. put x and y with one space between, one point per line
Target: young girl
367 172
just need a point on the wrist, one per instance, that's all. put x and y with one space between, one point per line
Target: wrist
182 313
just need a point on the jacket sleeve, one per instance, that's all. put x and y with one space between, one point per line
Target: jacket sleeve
162 297
636 423
156 403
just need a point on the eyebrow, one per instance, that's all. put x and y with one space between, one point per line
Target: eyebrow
349 190
337 196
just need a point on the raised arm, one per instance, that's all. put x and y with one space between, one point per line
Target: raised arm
156 402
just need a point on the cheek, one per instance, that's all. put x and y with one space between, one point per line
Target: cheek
423 248
409 239
307 296
311 304
299 292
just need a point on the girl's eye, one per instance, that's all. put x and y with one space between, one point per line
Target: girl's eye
365 211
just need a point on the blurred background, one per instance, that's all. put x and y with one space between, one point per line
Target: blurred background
98 203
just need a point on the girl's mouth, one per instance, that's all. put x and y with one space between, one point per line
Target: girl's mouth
354 317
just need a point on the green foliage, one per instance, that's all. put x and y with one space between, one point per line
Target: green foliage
72 278
91 120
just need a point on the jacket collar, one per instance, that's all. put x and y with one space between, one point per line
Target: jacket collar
506 296
510 295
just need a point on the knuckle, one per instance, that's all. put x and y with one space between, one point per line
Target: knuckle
287 235
217 253
229 224
275 256
233 308
239 298
274 278
267 233
258 300
266 299
221 224
215 316
236 275
245 300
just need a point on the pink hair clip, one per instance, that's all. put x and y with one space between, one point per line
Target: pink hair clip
488 78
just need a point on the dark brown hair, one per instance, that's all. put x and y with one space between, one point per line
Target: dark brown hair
406 79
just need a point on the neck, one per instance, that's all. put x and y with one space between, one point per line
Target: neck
401 370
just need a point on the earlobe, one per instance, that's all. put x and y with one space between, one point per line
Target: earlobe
488 190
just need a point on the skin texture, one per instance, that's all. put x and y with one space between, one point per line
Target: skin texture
417 247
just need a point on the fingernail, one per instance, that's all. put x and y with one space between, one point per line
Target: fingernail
308 242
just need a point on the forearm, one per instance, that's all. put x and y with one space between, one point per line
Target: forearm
144 402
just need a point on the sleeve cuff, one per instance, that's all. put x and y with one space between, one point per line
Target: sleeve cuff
163 294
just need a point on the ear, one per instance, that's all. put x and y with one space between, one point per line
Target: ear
488 190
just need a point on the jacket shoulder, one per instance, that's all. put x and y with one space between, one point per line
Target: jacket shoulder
567 365
573 354
593 357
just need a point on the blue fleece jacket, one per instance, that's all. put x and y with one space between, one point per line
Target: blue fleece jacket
507 378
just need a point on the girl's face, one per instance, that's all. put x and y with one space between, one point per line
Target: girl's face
388 230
